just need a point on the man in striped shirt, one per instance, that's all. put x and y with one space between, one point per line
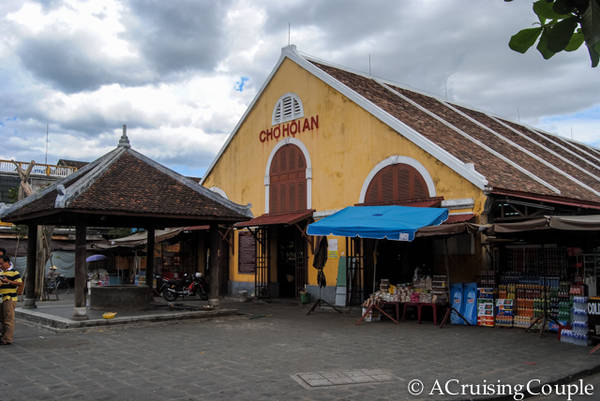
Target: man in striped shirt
10 280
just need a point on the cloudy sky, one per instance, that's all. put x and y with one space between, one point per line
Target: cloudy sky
181 73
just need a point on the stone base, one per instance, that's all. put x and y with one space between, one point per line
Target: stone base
29 303
120 297
79 313
213 302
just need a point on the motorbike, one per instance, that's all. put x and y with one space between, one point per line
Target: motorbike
161 284
196 285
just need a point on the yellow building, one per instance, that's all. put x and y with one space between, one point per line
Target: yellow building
318 138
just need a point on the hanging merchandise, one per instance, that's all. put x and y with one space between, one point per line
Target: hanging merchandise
456 298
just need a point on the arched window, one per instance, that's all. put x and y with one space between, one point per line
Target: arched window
288 107
396 183
287 192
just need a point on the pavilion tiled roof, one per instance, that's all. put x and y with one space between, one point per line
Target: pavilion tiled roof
511 156
125 182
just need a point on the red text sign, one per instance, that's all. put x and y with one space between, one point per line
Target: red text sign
291 128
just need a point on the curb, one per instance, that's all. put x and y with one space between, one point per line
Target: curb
60 324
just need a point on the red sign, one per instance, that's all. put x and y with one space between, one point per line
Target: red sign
291 128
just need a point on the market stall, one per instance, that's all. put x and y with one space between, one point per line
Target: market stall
544 276
397 224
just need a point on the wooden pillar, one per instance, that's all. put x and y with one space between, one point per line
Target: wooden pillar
80 310
150 257
29 302
213 297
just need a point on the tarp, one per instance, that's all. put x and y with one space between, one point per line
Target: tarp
392 222
585 223
566 223
445 230
527 225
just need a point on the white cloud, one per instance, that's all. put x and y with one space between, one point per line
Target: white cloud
168 70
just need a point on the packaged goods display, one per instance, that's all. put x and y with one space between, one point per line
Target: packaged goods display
504 312
578 334
424 290
457 302
485 307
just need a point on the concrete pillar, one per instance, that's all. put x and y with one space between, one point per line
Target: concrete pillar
213 297
29 301
150 258
80 310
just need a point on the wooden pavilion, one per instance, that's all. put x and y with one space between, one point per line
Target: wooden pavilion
123 188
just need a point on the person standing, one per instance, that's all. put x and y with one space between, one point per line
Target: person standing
2 253
10 281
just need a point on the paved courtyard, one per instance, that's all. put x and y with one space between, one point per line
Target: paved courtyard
275 352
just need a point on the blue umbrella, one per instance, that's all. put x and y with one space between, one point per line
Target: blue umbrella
95 258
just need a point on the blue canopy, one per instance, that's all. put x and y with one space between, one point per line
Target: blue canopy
392 222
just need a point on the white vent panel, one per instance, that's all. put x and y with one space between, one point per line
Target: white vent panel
288 107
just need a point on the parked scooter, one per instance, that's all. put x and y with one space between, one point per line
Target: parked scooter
161 284
186 287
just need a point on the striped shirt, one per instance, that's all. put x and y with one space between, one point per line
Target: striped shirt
8 292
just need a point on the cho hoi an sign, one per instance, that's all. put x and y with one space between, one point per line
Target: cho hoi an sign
290 128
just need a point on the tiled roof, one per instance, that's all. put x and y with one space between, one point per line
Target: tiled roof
273 219
510 156
125 182
71 163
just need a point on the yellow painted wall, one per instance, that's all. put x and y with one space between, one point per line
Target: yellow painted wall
349 143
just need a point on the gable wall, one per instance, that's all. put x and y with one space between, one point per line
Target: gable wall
348 144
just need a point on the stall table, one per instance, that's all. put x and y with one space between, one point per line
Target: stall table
378 306
419 306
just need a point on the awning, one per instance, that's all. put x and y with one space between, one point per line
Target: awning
585 223
565 223
272 219
459 218
140 238
527 225
379 222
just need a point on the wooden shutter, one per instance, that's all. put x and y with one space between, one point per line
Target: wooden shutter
396 183
247 253
287 192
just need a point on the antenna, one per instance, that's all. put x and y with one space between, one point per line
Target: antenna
289 33
369 64
46 160
571 133
446 87
518 116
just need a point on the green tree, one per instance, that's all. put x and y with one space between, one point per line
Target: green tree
563 25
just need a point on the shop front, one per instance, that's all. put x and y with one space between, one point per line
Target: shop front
318 138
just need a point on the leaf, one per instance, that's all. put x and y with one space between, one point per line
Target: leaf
594 55
576 41
545 10
590 25
563 7
543 46
524 39
560 34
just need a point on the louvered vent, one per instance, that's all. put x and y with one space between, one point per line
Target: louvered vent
288 107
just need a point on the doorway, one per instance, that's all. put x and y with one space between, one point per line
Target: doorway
291 262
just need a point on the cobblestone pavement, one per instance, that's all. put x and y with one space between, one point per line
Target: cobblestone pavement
275 352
